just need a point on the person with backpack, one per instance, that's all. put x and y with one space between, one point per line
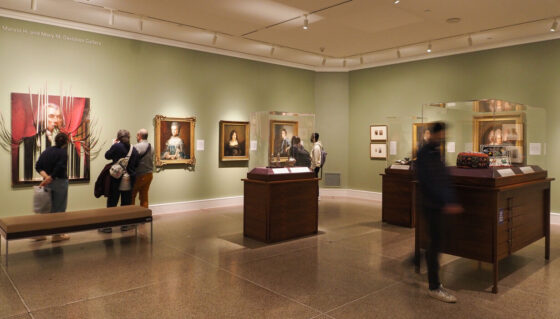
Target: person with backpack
144 172
124 155
316 154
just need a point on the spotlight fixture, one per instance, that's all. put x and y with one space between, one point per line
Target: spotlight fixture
398 53
214 39
429 50
272 51
324 61
111 17
470 40
141 24
34 5
554 26
305 23
344 63
361 60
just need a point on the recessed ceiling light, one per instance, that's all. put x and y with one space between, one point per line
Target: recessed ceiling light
396 1
453 20
427 10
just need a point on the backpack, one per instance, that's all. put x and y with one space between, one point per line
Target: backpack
323 157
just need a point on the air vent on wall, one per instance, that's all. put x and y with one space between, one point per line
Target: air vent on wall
332 179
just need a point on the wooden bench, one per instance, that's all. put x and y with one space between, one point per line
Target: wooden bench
28 226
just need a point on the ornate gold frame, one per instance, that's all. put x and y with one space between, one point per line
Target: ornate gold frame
272 136
161 162
223 141
518 118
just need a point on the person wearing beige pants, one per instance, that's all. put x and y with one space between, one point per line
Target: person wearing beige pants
144 172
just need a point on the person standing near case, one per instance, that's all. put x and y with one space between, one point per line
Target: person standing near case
316 154
144 172
438 197
53 166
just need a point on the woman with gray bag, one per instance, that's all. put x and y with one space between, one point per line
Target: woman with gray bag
123 171
52 165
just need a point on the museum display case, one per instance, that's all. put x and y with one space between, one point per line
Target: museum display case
506 202
280 203
271 136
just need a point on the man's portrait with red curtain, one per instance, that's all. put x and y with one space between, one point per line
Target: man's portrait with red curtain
36 119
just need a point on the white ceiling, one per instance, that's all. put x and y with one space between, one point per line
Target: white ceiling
344 34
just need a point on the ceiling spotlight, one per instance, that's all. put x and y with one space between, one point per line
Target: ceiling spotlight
361 60
111 17
324 61
344 63
306 23
554 26
398 53
214 39
396 1
272 51
429 47
141 24
470 40
34 5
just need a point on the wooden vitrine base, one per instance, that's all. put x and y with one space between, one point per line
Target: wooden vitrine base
502 215
396 207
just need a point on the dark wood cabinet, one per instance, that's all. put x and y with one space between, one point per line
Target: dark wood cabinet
502 215
280 206
396 207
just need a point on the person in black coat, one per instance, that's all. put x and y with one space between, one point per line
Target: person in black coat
438 197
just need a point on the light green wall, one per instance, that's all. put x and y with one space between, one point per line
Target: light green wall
332 122
527 74
131 81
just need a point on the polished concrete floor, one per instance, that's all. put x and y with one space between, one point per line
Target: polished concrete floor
201 266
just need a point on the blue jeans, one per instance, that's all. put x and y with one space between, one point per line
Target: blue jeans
59 194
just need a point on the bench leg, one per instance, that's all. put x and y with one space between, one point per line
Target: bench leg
151 232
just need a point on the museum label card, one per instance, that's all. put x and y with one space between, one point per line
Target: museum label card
527 169
280 171
253 145
393 148
200 145
300 170
398 166
505 172
534 148
450 147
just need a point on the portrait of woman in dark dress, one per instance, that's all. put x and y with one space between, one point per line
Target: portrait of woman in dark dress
233 147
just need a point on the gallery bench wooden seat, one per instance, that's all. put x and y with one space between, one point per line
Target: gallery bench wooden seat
18 227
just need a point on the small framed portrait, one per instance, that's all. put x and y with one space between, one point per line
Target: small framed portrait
174 140
281 133
378 151
234 143
506 131
378 132
421 136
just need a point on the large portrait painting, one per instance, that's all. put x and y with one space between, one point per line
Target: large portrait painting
174 140
36 119
421 136
505 131
234 141
281 133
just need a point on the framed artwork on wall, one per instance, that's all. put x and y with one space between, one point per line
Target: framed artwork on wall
506 131
36 120
174 140
420 136
281 133
378 151
234 141
378 132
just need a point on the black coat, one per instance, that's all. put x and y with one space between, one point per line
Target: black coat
433 178
120 150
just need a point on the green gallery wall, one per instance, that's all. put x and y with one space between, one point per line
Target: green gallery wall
130 81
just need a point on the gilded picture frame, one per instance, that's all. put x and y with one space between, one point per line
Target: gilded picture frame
234 141
501 130
174 140
281 133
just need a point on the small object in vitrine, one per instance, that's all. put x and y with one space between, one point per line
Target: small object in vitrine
472 160
404 161
498 161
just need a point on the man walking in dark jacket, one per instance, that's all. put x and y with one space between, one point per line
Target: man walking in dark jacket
438 197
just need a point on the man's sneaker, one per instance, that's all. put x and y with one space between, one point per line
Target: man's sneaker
442 294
